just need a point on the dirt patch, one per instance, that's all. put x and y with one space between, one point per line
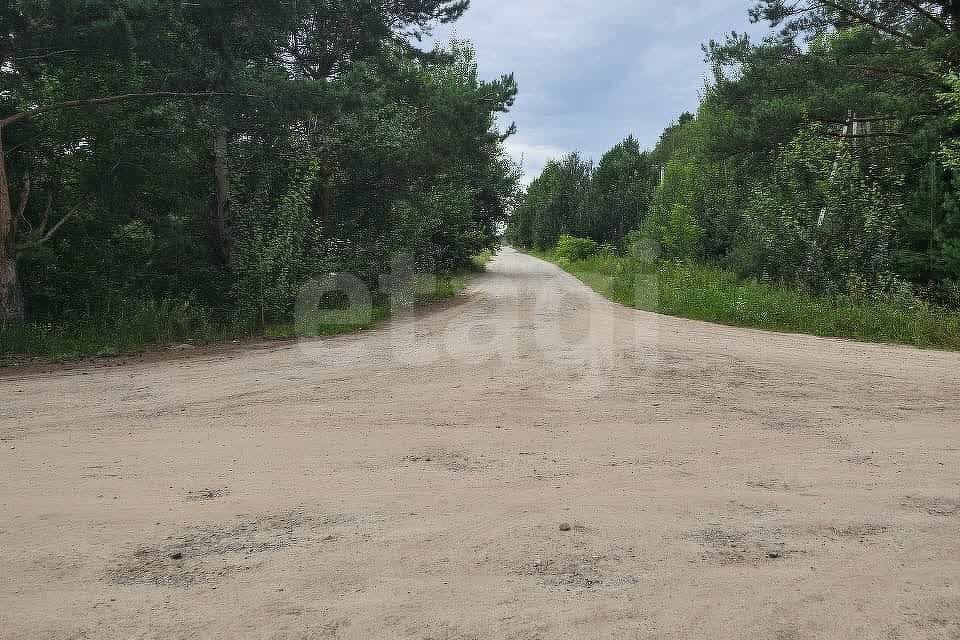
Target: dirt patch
860 531
867 460
202 495
933 506
780 486
756 510
451 460
732 546
937 615
580 570
212 552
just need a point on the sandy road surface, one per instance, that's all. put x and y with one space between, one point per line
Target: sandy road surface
411 483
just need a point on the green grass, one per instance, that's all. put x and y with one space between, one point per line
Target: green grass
157 325
481 261
714 295
421 291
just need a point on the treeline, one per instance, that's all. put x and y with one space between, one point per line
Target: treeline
219 153
823 157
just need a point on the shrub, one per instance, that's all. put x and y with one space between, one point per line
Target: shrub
573 249
608 251
823 220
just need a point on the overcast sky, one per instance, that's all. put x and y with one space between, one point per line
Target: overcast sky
592 72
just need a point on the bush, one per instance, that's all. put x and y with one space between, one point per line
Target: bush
608 251
573 249
823 221
674 232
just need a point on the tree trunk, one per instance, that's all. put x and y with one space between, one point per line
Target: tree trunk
11 301
220 215
322 208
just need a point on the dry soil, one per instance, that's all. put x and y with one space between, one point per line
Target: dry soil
535 462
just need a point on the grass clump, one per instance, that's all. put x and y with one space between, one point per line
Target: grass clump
129 330
714 295
482 259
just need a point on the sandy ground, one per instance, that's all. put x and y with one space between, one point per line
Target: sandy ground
412 482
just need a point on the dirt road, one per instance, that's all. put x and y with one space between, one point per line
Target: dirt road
414 481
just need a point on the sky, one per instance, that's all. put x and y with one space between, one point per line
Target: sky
591 72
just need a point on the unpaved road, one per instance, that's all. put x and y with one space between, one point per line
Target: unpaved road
411 482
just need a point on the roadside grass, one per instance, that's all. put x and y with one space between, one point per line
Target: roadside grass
481 260
713 295
158 325
422 290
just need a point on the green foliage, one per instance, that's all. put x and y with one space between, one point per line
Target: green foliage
674 232
671 225
572 248
552 205
291 141
822 157
125 330
142 326
482 259
619 193
715 295
823 221
573 197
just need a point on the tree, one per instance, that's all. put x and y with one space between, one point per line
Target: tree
553 204
69 56
619 193
822 221
910 22
264 85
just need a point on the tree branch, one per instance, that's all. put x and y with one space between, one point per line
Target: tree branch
867 20
916 6
126 97
24 196
56 227
852 136
42 235
49 54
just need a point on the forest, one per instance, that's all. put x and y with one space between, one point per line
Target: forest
822 158
196 163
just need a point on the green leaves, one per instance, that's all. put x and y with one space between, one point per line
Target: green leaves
553 205
318 138
823 156
823 220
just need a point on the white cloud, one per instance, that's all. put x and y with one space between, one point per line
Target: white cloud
591 72
532 156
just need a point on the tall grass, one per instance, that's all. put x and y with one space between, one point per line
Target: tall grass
149 325
127 331
714 295
482 259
